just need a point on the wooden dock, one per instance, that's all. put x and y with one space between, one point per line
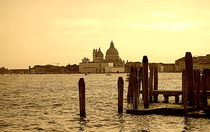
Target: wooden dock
161 109
171 110
194 94
168 93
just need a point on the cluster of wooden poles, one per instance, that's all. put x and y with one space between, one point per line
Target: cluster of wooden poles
194 92
194 87
139 78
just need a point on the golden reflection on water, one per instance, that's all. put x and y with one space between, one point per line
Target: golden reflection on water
50 103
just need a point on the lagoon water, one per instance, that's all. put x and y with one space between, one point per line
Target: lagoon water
49 102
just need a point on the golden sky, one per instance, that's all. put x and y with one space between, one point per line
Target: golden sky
64 31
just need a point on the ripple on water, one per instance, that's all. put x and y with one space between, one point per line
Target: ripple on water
50 103
4 124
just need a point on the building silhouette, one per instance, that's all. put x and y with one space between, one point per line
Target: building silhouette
199 63
111 63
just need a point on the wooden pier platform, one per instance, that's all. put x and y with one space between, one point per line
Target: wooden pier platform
161 109
168 93
169 109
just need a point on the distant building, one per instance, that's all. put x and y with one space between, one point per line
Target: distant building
18 71
161 67
128 65
167 67
180 64
111 63
51 69
199 62
3 70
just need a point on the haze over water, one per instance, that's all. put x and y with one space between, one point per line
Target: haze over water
49 102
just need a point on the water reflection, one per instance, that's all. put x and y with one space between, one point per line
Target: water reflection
83 123
186 124
121 122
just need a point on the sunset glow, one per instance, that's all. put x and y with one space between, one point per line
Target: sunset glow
51 31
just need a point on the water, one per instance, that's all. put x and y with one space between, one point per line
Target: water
50 103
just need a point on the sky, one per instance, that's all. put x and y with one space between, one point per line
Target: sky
61 32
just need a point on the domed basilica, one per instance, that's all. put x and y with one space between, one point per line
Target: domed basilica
112 56
111 62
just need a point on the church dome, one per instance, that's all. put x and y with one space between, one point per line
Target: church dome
112 51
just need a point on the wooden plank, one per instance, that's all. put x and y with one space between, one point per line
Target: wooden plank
167 91
161 109
172 91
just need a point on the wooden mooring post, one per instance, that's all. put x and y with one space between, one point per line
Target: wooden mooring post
135 90
205 85
151 76
184 90
82 97
155 83
197 86
140 78
189 78
145 82
130 86
120 85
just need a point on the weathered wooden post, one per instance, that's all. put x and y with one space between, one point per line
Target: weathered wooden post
82 97
130 86
140 75
145 81
120 85
184 90
151 83
197 83
155 83
189 78
207 87
204 87
208 79
135 90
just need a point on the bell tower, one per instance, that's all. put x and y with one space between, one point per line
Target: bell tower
94 54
